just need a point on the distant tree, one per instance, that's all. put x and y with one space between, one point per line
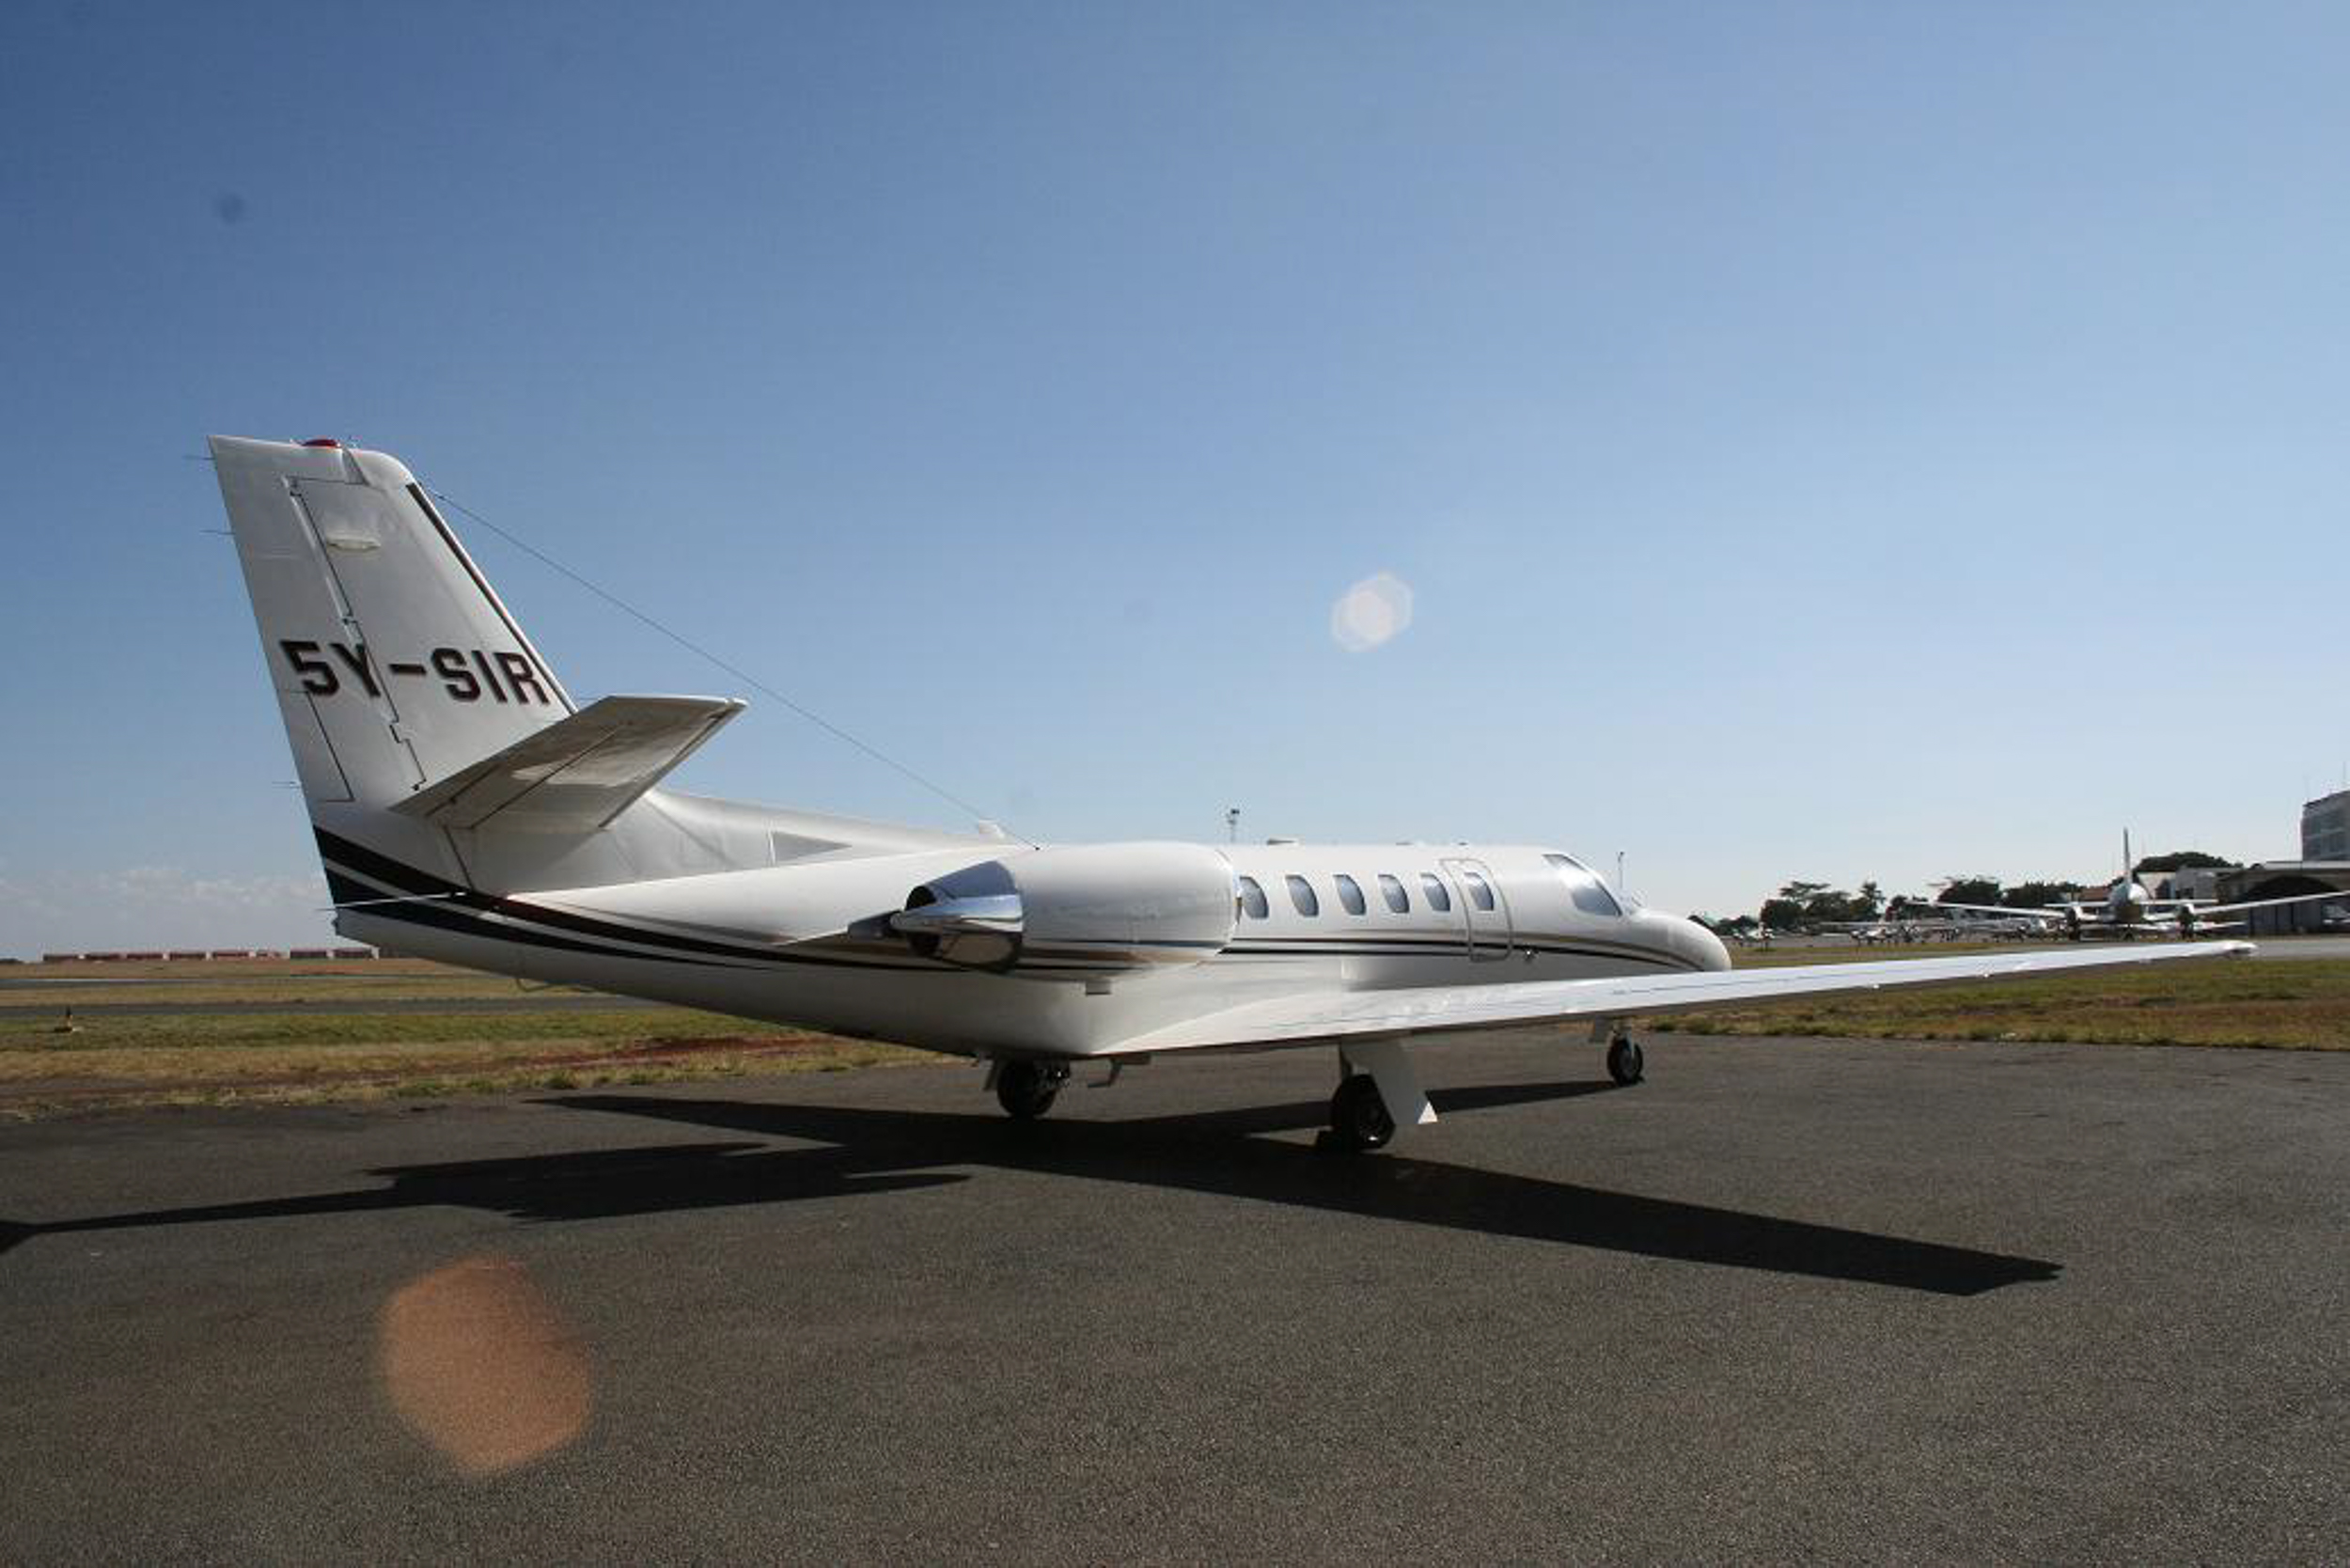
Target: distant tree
2180 860
1802 904
1837 905
2040 895
1970 889
1791 906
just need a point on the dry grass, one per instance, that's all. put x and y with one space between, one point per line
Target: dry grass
315 1049
252 980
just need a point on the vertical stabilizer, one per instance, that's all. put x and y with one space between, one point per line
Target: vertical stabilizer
436 750
393 661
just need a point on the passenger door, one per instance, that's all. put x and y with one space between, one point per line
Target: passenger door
1490 932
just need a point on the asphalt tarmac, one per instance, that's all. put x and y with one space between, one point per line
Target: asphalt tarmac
1843 1299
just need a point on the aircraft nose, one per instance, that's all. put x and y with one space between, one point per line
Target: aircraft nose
1691 940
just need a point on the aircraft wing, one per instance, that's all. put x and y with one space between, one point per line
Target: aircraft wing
578 772
1427 1010
2204 909
2009 911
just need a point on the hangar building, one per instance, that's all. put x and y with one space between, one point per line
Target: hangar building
2282 879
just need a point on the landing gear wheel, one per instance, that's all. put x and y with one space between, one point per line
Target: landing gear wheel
1623 1061
1026 1089
1358 1118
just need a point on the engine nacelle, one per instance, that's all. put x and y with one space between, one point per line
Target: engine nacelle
1099 908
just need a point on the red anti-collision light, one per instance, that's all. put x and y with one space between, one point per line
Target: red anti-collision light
322 441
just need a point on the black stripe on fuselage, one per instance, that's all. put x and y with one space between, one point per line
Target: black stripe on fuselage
1374 947
1452 939
408 879
450 918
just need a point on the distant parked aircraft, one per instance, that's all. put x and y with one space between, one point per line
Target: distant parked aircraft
2127 909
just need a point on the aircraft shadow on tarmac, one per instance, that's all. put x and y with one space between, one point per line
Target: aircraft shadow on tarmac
865 1149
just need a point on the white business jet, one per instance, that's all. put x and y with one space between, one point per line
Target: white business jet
467 810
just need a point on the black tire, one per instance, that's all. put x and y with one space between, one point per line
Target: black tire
1624 1063
1358 1118
1025 1089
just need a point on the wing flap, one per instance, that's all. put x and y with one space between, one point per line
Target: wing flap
1428 1009
578 772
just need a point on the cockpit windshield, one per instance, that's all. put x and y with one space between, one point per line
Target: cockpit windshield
1589 894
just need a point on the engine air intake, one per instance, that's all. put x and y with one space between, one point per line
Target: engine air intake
1100 909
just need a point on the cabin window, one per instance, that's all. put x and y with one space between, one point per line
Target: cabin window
1438 899
1392 890
1252 898
1302 895
1479 894
1589 894
1349 893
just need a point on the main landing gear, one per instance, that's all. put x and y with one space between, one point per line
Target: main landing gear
1623 1061
1359 1122
1025 1089
1377 1092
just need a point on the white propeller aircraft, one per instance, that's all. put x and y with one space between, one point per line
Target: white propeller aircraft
467 810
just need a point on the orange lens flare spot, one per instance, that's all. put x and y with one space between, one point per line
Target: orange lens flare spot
477 1361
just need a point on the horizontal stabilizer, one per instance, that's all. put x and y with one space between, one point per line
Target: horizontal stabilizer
578 772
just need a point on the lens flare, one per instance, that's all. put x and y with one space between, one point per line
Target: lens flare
482 1366
1372 612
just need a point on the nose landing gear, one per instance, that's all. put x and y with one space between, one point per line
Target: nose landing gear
1025 1089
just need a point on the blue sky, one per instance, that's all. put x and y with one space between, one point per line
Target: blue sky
1829 441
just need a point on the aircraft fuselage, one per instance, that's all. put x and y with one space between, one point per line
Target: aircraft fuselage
730 941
